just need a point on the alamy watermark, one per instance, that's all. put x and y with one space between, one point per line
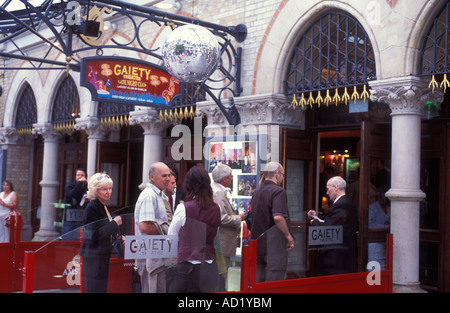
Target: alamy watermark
74 13
374 275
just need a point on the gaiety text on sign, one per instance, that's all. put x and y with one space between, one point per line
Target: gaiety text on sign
151 246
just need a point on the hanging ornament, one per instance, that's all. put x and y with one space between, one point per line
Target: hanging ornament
433 83
294 102
191 53
336 97
445 83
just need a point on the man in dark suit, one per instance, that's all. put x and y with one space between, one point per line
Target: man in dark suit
338 259
180 195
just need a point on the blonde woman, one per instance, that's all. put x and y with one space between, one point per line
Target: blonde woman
98 228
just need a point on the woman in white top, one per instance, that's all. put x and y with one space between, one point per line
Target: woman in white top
8 203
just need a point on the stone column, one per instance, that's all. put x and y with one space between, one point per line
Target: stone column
153 131
49 182
95 132
406 97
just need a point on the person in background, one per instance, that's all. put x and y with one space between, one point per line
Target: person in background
269 209
195 222
76 197
169 191
230 221
338 259
180 194
99 227
8 204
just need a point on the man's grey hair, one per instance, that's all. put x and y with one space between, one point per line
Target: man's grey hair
220 171
338 181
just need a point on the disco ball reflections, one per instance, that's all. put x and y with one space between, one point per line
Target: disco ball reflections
191 53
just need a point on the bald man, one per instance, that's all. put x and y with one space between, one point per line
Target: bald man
338 259
150 209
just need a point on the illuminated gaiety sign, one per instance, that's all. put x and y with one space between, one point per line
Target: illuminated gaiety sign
124 80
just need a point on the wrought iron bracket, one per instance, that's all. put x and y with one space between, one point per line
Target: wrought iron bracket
53 23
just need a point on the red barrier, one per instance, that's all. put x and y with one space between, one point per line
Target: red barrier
53 264
7 259
344 283
28 272
57 265
30 266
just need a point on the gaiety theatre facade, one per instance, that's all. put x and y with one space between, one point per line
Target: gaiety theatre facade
345 88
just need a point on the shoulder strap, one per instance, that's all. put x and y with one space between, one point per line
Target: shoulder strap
107 213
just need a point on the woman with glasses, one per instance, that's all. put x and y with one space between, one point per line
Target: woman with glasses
99 227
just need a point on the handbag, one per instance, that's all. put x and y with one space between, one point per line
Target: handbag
117 245
117 248
16 214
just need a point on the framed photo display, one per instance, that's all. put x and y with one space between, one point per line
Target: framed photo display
241 156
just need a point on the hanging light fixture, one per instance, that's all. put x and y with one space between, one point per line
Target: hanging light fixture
191 53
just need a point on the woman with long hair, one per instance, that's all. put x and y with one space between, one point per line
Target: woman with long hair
195 222
8 204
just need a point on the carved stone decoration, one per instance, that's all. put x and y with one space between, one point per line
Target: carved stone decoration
46 131
8 135
270 109
404 95
212 113
256 110
149 121
92 127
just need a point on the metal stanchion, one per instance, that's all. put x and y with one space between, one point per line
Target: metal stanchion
28 272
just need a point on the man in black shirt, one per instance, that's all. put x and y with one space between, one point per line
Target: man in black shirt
75 194
269 208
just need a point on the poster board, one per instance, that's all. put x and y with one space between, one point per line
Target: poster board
242 157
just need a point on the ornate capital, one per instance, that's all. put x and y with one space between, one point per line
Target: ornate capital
8 135
46 130
405 95
149 120
256 110
92 127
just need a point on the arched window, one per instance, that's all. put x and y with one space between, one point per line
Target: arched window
66 106
333 54
26 114
435 50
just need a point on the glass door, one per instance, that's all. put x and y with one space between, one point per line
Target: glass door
374 207
299 148
112 159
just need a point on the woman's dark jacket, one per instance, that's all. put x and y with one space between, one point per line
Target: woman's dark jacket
97 231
